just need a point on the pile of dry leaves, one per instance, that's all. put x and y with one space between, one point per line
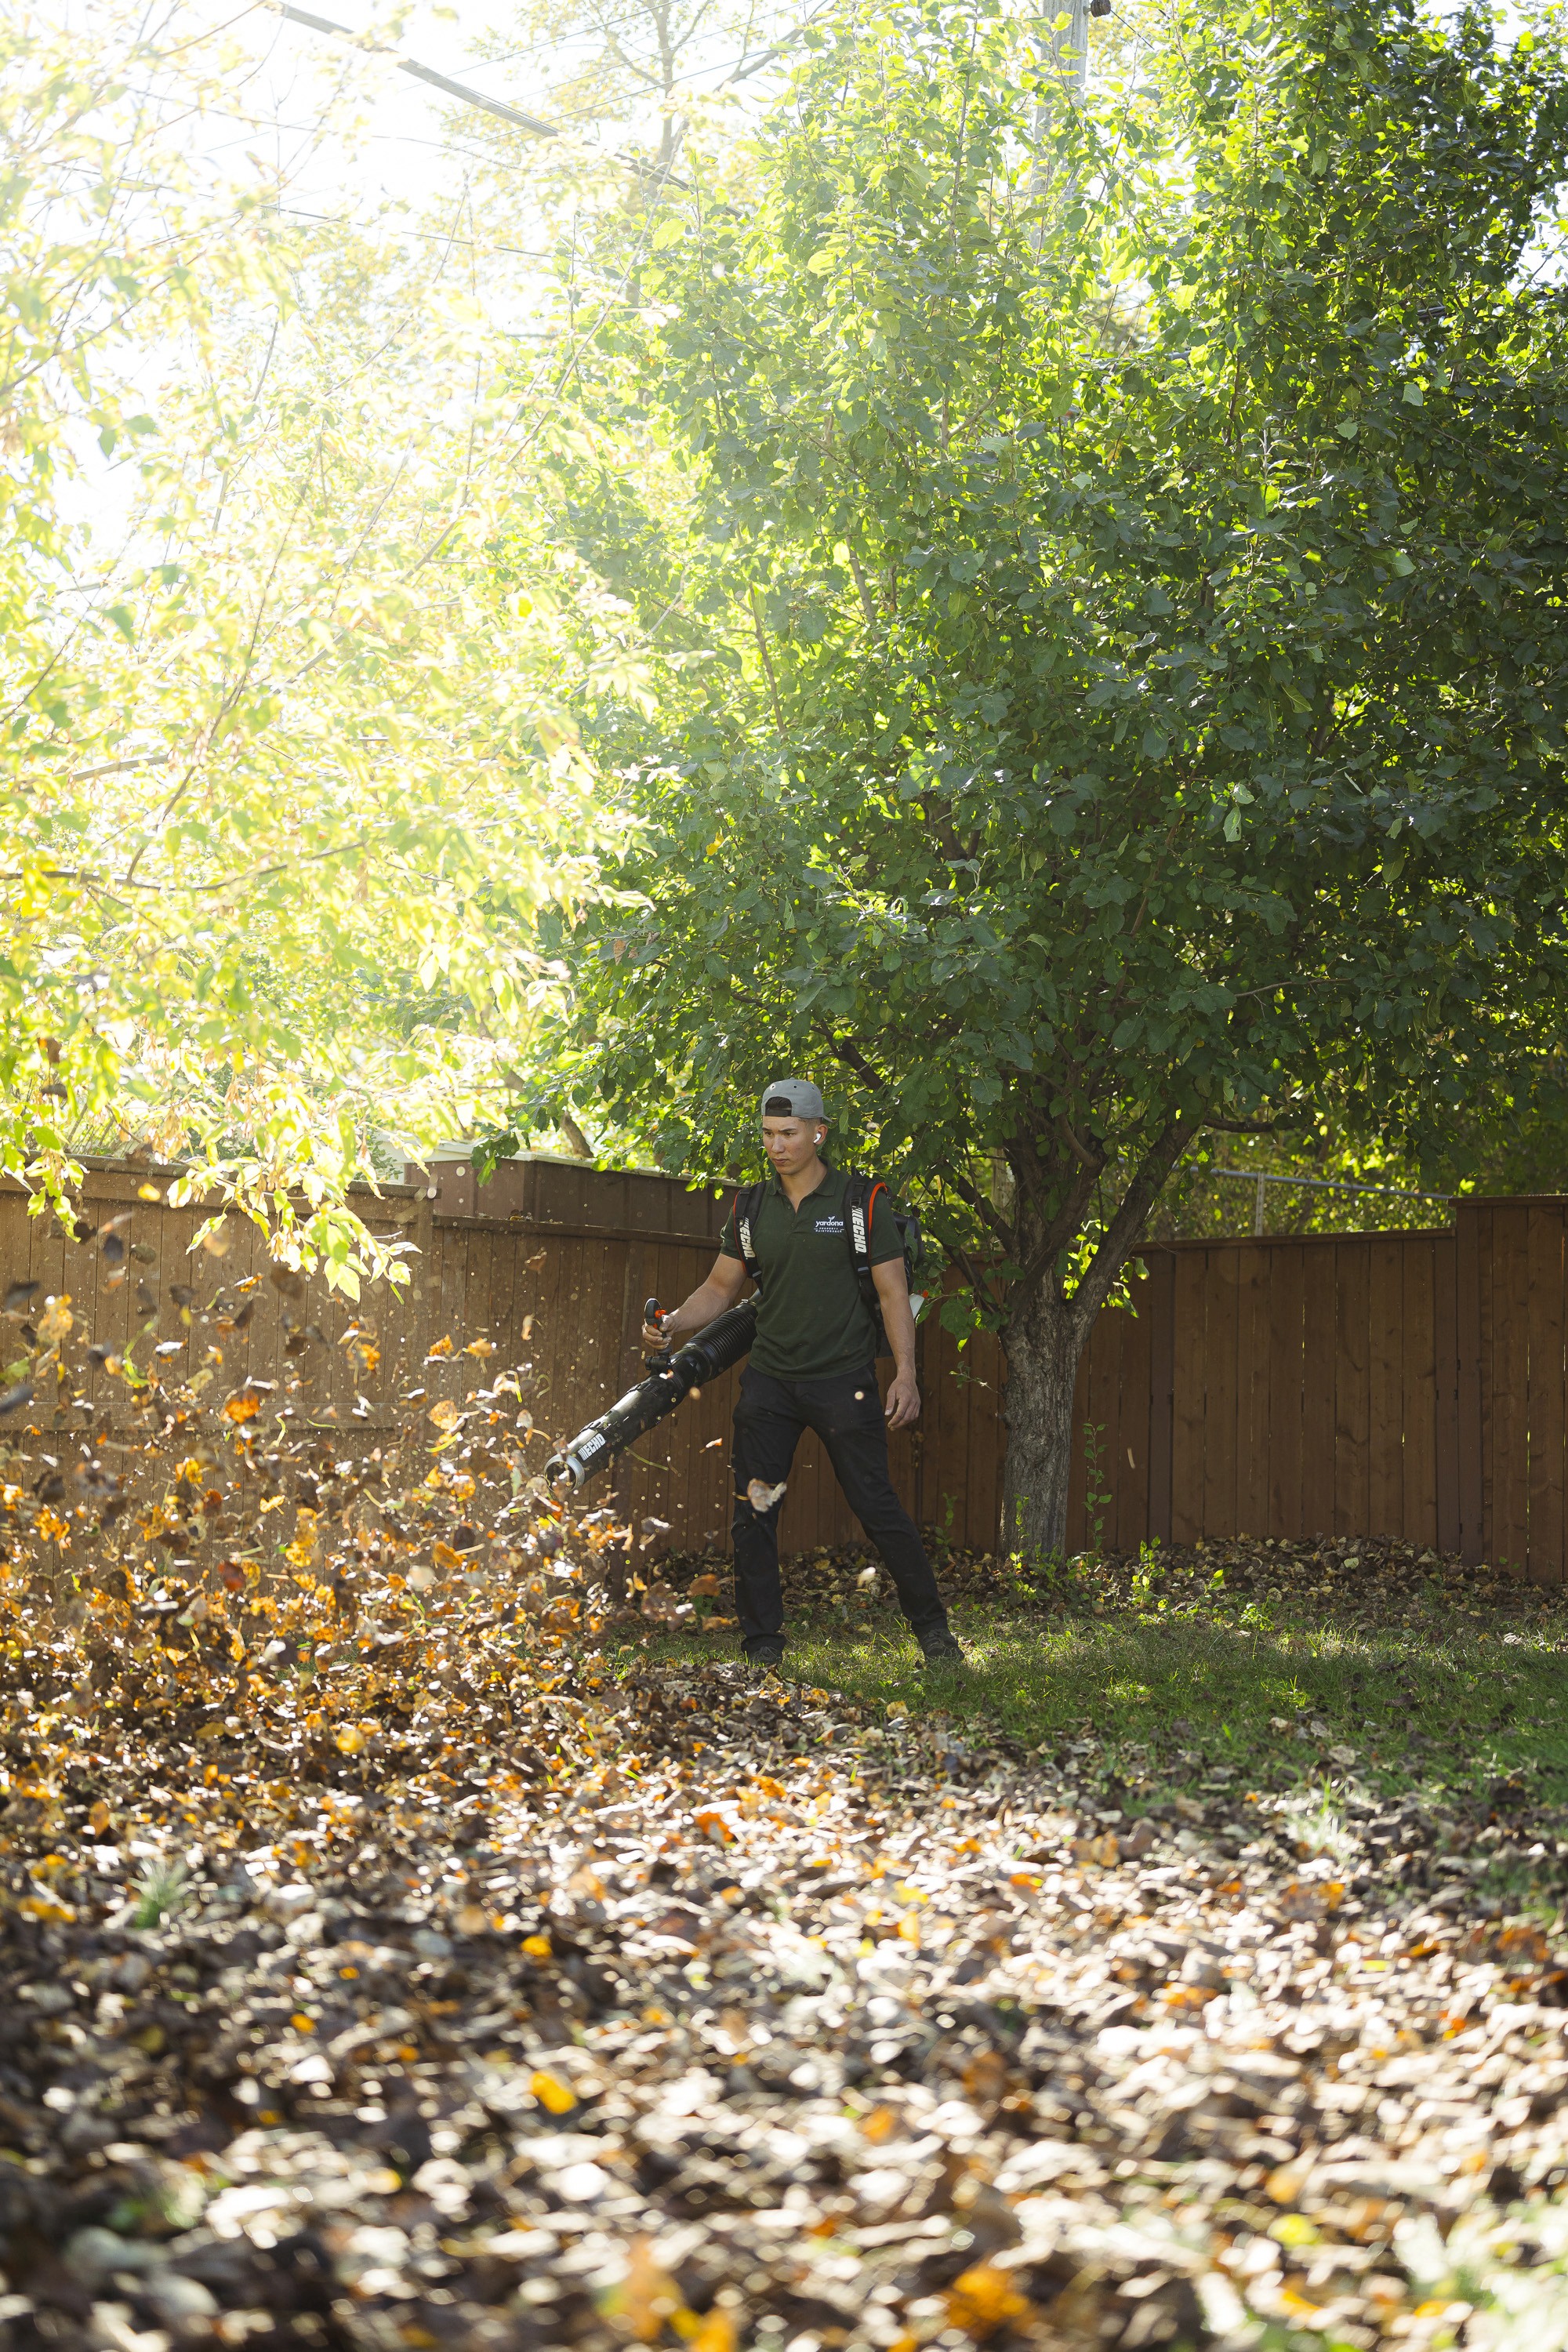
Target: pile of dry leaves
393 1954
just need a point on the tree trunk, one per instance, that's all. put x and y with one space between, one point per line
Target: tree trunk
1043 1342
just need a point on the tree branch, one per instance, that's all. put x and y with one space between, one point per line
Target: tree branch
845 1050
1094 1163
974 1199
767 665
1119 1236
867 606
854 1059
1063 1226
973 1273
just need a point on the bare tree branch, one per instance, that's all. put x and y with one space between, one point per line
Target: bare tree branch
1120 1235
767 663
970 1194
1091 1160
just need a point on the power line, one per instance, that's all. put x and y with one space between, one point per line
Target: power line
512 114
1320 1184
655 173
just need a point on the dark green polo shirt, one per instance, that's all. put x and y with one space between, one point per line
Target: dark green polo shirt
812 1322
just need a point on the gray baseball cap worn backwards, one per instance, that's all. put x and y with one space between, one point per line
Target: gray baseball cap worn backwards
792 1098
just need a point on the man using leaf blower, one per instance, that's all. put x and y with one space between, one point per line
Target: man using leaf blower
831 1275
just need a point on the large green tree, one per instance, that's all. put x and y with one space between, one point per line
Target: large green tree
1105 566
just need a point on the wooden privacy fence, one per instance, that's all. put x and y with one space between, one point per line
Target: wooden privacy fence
549 1265
1409 1385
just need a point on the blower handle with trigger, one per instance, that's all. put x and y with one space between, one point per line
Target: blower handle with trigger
654 1313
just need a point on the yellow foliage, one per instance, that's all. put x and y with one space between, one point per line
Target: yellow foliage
47 1908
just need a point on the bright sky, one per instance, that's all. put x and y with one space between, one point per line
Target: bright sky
404 154
401 153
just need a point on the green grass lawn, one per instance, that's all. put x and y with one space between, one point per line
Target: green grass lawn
1190 1692
1441 1702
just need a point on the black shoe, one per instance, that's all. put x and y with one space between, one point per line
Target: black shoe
942 1650
766 1653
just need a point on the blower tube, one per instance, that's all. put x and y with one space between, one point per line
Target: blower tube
710 1351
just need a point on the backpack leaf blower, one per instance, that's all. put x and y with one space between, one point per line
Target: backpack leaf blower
672 1380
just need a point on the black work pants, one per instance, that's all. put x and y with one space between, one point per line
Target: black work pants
847 1414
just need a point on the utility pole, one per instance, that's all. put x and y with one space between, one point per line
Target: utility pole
1068 46
1065 49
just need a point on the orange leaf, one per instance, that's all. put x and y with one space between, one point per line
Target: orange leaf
983 2299
713 2332
552 2094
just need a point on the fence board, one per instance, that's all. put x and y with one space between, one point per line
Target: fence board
1445 1380
1189 1419
1135 1371
1220 1369
1473 1401
1385 1398
1320 1387
1253 1367
1287 1297
955 1419
1509 1290
1352 1389
1418 1521
1548 1405
1162 1312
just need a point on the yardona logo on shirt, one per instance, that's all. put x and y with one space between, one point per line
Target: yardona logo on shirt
828 1225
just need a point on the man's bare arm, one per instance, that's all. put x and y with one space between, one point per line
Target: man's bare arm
899 1322
726 1280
